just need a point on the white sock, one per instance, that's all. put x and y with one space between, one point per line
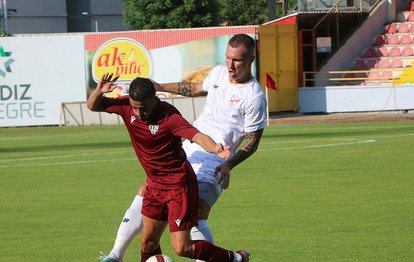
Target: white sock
202 232
237 257
130 226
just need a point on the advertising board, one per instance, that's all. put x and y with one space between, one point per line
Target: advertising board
162 55
38 74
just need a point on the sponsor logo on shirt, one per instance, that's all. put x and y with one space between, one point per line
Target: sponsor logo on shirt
153 129
178 222
133 118
234 99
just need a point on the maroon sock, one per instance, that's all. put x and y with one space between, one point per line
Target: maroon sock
208 252
145 256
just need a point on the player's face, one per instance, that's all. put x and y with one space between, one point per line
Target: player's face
143 109
238 66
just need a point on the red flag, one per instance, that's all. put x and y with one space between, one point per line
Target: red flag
270 83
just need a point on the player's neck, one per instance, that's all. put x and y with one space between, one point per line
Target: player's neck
242 80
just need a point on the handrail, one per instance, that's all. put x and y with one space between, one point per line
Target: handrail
339 75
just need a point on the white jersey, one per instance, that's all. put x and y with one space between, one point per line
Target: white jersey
229 112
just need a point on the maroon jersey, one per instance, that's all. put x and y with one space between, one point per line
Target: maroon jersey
157 142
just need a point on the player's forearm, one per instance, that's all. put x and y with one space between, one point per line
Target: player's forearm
94 102
249 148
182 88
205 142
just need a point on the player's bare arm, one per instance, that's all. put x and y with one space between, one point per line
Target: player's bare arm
210 146
105 85
252 140
184 88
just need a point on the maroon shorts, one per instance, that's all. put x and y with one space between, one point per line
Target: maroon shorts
177 206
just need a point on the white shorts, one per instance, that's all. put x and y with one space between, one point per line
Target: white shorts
204 165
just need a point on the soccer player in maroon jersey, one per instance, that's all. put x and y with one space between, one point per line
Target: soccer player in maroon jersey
171 195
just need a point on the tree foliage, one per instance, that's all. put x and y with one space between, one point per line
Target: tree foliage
244 12
160 14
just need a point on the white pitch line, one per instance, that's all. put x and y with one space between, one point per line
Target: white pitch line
58 156
129 159
359 141
320 145
71 162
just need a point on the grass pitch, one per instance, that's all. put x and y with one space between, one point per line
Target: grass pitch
313 192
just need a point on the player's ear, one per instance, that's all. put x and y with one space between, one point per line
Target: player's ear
252 57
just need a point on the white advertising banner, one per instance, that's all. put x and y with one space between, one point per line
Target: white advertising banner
37 74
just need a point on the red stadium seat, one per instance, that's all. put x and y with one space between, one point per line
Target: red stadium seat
374 75
382 51
383 63
410 17
407 51
371 52
396 63
380 40
349 75
412 28
361 75
371 63
391 28
403 28
359 65
395 51
409 7
405 39
386 75
393 40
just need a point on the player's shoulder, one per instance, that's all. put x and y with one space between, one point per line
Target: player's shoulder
168 109
218 70
254 88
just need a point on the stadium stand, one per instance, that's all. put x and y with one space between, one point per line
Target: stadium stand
389 54
396 63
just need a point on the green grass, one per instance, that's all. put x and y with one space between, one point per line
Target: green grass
313 192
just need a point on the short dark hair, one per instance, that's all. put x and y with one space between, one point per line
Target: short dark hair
245 40
141 89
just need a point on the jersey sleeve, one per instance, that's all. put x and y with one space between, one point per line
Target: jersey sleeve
208 81
255 116
180 127
115 105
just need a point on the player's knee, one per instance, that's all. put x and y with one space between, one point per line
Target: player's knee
182 250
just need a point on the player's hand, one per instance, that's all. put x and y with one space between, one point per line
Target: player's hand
223 151
222 175
157 86
106 84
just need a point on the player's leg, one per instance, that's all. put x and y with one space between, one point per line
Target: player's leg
130 226
207 197
204 250
182 216
151 235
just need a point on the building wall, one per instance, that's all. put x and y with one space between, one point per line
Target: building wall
61 16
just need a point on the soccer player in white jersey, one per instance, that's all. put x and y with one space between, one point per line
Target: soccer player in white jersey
235 111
